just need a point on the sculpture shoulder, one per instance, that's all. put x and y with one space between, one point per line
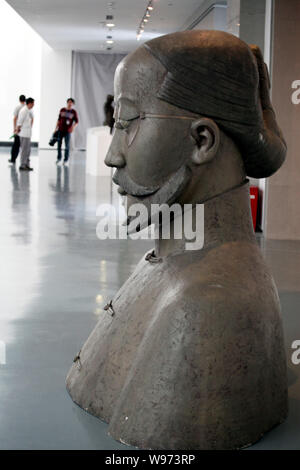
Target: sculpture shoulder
214 309
235 276
231 278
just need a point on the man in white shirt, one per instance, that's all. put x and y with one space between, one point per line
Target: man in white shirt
24 129
16 145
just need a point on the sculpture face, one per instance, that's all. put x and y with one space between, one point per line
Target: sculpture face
148 153
163 148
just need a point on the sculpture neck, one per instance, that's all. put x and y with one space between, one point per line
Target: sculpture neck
227 217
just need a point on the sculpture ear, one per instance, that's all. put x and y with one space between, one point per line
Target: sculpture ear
206 135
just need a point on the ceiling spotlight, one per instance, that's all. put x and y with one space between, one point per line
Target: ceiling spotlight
109 41
110 25
145 19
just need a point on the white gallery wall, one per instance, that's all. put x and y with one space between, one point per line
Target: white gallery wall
29 66
56 71
20 72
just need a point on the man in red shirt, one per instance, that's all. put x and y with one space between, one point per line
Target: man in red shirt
67 121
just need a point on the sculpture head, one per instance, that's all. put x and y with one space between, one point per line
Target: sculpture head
193 118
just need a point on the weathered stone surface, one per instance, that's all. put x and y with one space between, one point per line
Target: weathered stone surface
190 354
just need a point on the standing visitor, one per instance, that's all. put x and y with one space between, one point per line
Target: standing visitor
24 130
109 112
67 122
16 145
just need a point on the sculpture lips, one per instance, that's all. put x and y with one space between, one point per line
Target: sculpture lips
122 179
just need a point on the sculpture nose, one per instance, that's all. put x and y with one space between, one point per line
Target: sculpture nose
114 157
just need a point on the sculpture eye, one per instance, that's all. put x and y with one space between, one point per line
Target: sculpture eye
124 124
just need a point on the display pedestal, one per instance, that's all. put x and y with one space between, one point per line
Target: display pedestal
98 142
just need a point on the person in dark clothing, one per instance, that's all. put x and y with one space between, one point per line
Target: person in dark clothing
16 145
109 112
67 121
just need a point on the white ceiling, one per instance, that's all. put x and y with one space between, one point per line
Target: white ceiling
79 24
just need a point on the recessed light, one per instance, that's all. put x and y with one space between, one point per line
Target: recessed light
145 19
109 41
110 25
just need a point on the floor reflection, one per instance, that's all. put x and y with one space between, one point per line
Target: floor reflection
21 204
62 196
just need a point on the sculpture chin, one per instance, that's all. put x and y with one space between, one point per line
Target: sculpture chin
168 193
128 186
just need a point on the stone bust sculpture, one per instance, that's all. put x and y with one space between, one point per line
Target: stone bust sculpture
192 355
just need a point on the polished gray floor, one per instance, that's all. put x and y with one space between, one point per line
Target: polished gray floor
56 277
